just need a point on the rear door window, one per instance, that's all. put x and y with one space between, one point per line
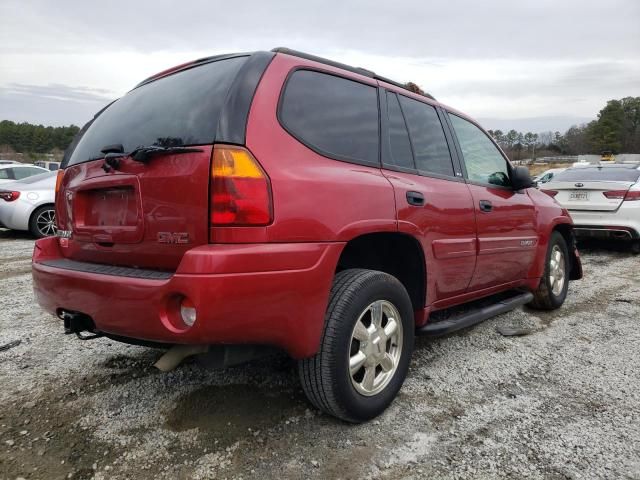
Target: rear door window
334 116
6 174
430 147
180 109
399 142
483 161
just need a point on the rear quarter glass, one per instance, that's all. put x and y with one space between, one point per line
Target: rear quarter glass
180 109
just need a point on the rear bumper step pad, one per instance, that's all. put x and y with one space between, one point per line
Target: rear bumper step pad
101 269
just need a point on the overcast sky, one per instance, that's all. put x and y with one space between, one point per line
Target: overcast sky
534 65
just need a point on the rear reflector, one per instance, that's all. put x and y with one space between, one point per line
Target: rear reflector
9 196
551 193
240 189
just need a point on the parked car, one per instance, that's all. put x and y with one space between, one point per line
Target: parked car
547 175
28 204
603 200
13 172
8 162
286 200
49 165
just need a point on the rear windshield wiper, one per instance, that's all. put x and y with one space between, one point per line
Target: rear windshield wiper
113 154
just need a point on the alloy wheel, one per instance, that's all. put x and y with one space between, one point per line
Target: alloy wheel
376 347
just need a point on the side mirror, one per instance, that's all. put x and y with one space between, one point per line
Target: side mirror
521 178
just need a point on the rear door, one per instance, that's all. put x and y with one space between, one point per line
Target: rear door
146 214
506 219
433 203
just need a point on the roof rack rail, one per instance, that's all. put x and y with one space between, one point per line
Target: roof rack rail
343 66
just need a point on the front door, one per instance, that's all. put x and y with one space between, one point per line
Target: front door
506 219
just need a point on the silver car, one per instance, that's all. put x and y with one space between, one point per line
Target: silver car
28 204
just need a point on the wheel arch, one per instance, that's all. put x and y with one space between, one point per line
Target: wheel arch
398 254
566 230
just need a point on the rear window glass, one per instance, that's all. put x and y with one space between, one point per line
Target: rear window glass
430 146
334 116
399 142
181 109
603 174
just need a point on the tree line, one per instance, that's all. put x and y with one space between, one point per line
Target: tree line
617 129
28 138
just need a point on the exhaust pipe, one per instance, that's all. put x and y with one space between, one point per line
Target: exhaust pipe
176 354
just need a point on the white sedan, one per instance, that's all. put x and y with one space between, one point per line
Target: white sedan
10 172
603 200
29 205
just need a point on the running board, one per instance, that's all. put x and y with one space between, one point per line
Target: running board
477 315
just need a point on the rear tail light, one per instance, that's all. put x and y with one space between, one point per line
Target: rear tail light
551 193
59 176
240 189
9 196
632 195
615 194
624 195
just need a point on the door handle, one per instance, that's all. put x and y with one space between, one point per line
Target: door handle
415 198
486 205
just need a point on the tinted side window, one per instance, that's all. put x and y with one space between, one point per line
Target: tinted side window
4 174
332 115
483 160
427 137
399 142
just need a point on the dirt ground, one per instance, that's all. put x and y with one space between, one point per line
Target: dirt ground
560 403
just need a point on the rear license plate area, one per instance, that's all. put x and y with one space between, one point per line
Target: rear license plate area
111 207
578 196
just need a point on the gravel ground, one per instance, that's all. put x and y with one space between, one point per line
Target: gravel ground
562 402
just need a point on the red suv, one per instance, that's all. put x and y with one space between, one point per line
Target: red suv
281 199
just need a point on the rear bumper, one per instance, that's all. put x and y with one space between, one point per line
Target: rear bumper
621 224
267 294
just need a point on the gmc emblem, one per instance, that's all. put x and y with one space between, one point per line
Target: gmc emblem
173 237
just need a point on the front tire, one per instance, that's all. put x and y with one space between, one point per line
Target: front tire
43 222
365 349
554 284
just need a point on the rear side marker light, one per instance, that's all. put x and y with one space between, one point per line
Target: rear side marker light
551 193
240 189
9 196
188 312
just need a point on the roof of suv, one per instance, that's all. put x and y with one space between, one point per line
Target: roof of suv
286 51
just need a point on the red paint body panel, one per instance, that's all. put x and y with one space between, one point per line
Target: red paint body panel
270 284
445 227
507 236
279 304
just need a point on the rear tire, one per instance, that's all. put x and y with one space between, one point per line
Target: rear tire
43 222
365 348
554 283
635 247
